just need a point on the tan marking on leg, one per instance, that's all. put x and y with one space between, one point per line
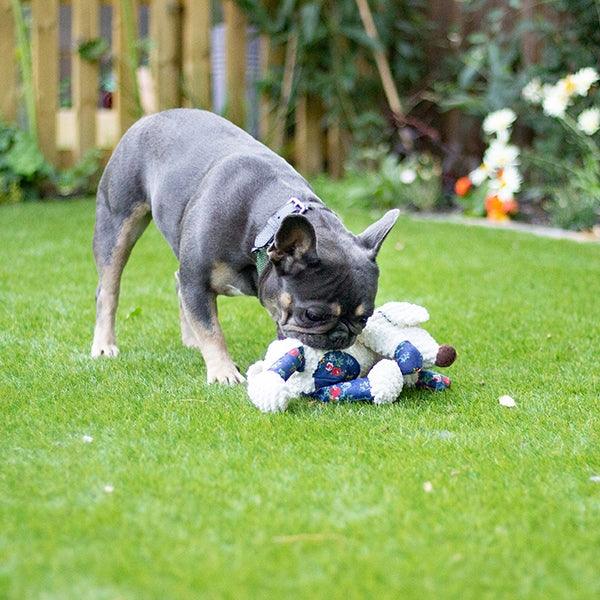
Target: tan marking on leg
188 337
104 343
211 342
222 280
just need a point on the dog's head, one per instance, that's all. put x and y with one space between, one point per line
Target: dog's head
321 289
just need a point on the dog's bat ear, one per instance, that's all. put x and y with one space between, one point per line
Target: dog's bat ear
372 237
294 246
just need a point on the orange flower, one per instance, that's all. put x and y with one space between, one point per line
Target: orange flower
495 206
495 209
462 186
511 206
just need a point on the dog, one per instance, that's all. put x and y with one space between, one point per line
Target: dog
226 204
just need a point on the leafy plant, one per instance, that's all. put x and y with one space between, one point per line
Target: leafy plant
380 178
24 54
25 174
333 56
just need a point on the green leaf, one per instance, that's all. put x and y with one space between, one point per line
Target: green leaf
24 157
309 21
136 312
93 49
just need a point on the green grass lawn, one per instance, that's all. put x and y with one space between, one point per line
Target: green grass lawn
214 499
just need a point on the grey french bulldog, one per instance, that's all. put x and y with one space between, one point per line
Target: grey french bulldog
227 204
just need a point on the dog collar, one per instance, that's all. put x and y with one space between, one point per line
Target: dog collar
267 234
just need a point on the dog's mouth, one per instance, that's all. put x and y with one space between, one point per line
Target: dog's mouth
328 341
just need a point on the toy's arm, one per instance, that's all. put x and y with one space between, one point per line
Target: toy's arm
382 385
267 381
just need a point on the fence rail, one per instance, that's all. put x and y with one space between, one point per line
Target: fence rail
179 67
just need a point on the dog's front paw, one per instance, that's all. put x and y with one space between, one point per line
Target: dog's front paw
223 372
268 391
104 349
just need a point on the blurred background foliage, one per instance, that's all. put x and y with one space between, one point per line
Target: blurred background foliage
452 63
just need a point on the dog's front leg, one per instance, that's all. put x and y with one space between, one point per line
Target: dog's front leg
199 304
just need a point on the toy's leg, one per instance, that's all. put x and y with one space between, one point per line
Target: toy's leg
408 358
382 385
266 388
430 380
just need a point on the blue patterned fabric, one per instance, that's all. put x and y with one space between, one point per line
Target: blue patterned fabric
289 363
334 367
409 359
430 380
357 390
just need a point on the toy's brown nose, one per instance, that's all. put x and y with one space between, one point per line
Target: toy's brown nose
446 356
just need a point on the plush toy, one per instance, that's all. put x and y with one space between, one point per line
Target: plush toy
391 352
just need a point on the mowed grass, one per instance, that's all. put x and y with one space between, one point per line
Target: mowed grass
214 499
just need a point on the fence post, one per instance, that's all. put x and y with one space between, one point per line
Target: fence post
125 26
308 142
44 55
270 56
197 27
8 64
235 40
336 149
85 75
165 27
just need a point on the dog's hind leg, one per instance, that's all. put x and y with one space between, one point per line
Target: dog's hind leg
114 236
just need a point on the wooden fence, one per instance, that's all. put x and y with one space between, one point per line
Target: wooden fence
180 64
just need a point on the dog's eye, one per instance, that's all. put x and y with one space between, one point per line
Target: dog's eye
363 320
313 315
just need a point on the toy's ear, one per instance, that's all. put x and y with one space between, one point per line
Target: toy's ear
294 246
372 237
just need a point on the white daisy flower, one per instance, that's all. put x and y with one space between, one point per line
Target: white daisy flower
555 101
507 184
533 91
500 155
566 86
407 176
108 489
479 175
503 136
87 439
499 121
584 79
589 121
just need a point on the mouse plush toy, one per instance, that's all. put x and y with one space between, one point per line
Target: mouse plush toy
391 352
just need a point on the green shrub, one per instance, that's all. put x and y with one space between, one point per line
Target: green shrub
383 180
26 175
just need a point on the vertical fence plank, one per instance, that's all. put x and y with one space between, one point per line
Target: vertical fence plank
270 127
125 27
8 63
165 33
85 75
336 150
196 52
308 141
270 56
44 54
235 36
